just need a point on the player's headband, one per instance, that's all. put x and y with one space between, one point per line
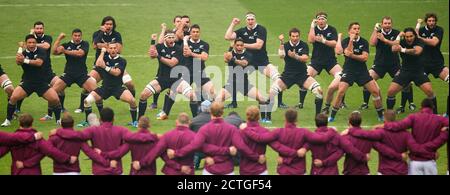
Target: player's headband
324 17
169 35
250 16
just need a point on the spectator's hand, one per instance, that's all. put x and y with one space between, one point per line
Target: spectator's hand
98 151
280 160
436 155
113 164
19 164
405 157
301 152
318 163
233 151
261 159
170 153
345 132
73 159
444 129
243 126
52 132
186 169
209 161
38 136
136 165
367 157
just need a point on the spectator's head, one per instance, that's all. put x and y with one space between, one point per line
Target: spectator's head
205 105
321 120
25 120
183 120
389 115
144 122
217 109
355 119
427 103
107 115
252 114
291 115
67 120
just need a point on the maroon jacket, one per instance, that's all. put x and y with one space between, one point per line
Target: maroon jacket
248 166
328 152
174 139
73 148
31 155
425 126
105 137
140 144
222 135
400 142
353 166
10 139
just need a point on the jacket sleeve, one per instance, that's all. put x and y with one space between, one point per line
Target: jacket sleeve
137 138
402 125
283 150
333 158
213 150
76 135
261 137
94 156
387 151
3 151
348 148
238 142
34 160
10 139
156 151
195 145
374 135
437 142
46 148
318 137
118 153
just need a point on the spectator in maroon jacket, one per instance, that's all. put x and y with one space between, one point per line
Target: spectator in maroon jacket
105 138
221 134
73 148
425 126
26 158
400 142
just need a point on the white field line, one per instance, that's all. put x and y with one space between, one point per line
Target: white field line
146 56
70 5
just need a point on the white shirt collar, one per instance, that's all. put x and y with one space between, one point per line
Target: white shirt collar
28 51
165 44
74 41
243 51
359 37
386 33
115 58
256 25
325 28
192 41
290 42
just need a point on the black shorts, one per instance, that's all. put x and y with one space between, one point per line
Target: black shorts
203 80
100 71
242 85
259 63
405 78
382 70
69 79
360 78
434 70
1 71
327 66
290 79
50 77
31 87
166 83
105 93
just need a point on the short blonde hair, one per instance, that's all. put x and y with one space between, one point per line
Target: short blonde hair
217 109
252 113
183 118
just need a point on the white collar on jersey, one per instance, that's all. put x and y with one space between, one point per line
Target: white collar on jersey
359 37
386 33
426 27
256 25
325 28
165 44
115 58
290 42
74 41
28 51
243 51
192 41
35 35
106 33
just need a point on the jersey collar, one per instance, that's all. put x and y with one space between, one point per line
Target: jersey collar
256 25
192 41
386 33
325 28
359 37
290 42
28 51
115 58
243 51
